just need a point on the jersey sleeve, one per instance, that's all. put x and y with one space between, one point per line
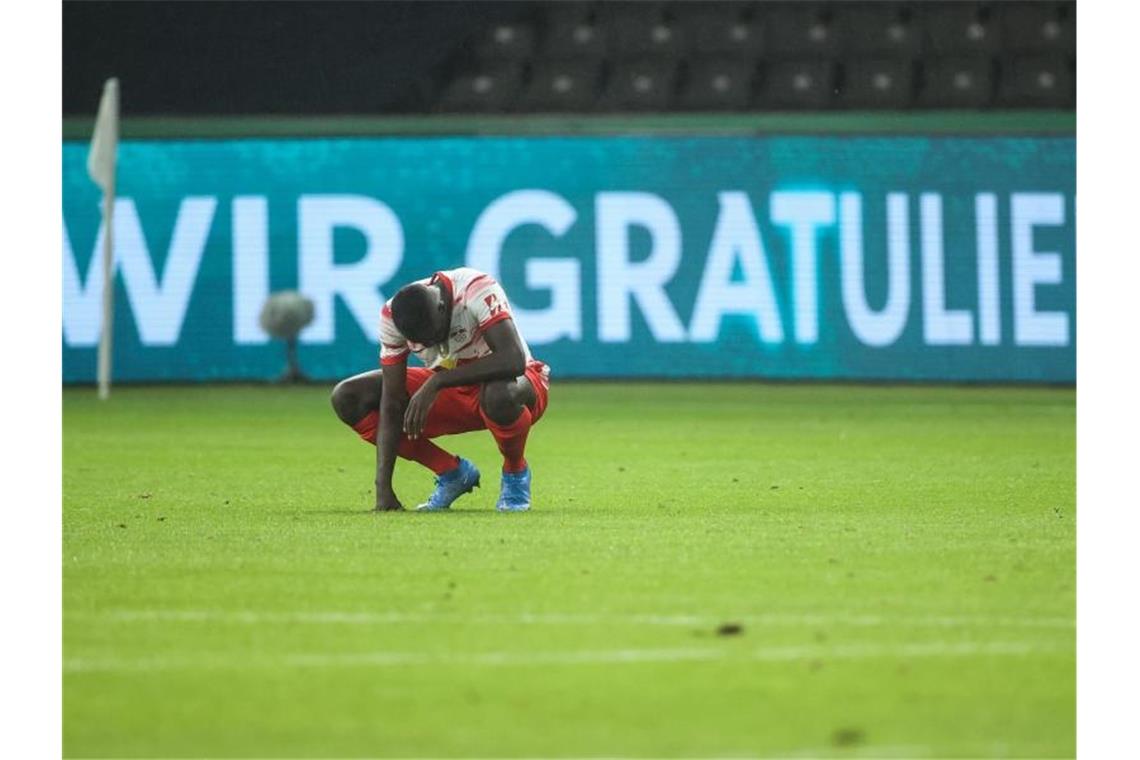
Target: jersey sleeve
487 301
393 346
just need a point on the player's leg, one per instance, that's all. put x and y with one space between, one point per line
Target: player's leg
355 397
356 402
451 413
506 408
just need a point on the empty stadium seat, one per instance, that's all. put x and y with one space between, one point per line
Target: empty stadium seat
562 86
878 84
717 85
725 29
1047 28
798 84
1037 82
637 30
641 85
880 29
508 41
960 29
958 83
800 31
487 89
571 31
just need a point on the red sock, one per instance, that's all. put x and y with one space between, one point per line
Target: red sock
428 454
512 440
420 450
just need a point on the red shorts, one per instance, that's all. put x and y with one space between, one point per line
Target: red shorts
456 410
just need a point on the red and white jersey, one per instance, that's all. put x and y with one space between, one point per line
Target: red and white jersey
477 302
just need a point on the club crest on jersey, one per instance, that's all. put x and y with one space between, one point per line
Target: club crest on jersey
459 334
493 305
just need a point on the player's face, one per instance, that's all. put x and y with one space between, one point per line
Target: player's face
435 332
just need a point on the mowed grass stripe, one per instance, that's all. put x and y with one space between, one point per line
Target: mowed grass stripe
329 617
212 661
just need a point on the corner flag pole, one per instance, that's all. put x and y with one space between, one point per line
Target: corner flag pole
101 161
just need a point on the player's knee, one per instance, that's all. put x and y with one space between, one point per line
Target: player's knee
498 403
346 402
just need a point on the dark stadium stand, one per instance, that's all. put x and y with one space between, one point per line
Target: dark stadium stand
583 57
740 56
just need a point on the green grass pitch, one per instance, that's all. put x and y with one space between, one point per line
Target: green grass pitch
709 570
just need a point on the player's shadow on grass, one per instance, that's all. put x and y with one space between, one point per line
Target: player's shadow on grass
453 513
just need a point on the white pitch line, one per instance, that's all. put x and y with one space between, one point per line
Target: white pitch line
334 617
613 656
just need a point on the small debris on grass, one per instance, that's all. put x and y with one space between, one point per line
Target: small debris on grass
161 518
122 525
145 495
846 737
730 629
773 488
621 469
736 480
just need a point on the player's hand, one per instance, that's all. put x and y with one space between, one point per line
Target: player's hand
415 417
387 502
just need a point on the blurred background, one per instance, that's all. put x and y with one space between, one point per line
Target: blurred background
854 190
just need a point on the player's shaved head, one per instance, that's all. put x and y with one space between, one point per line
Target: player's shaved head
417 314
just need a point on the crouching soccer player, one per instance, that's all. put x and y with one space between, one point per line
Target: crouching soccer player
478 374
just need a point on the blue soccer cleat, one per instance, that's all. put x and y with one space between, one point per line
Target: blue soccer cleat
514 494
450 486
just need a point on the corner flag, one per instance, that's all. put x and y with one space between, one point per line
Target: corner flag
101 162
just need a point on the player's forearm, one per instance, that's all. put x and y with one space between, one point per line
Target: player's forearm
500 365
388 443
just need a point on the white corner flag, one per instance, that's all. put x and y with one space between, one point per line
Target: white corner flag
101 162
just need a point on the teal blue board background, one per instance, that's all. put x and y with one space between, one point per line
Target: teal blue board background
437 189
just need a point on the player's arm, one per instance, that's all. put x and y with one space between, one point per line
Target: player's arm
393 403
506 361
